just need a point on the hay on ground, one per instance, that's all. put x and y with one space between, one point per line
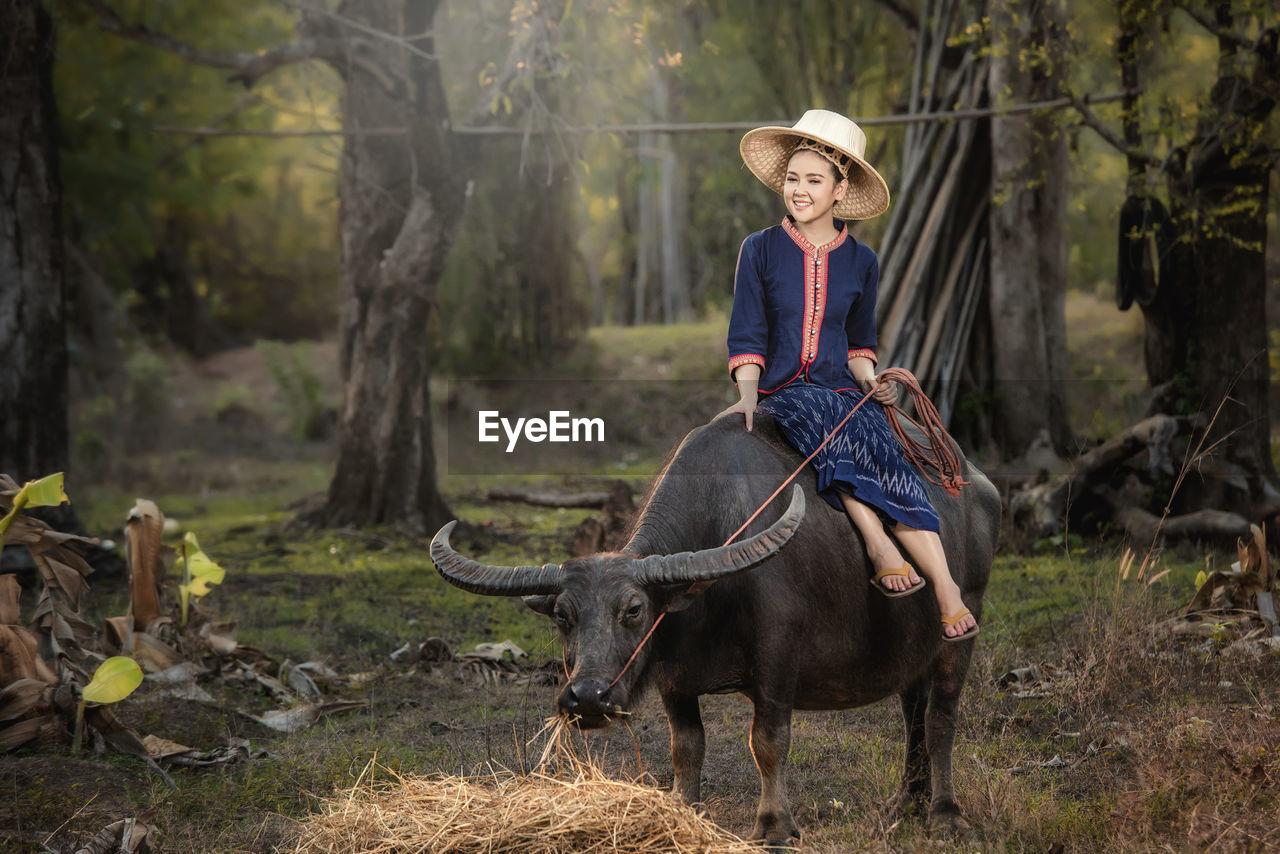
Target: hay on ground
578 808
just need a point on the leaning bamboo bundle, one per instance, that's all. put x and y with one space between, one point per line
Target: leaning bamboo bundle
568 805
933 263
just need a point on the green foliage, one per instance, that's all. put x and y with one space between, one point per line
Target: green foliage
257 214
45 492
115 679
713 61
1071 543
232 398
199 573
302 391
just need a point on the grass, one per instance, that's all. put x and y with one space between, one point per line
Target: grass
1154 751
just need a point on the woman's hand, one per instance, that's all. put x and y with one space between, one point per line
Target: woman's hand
744 405
885 395
748 379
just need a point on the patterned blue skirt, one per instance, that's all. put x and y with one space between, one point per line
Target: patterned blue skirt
864 459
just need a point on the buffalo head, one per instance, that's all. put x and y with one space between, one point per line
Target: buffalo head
605 604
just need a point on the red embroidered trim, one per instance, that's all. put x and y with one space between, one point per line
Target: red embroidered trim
815 288
866 353
746 359
803 242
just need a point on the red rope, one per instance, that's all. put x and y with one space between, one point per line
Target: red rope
936 454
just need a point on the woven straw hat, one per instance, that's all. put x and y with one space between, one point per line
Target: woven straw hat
766 151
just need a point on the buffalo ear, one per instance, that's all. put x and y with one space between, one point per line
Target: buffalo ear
543 604
673 597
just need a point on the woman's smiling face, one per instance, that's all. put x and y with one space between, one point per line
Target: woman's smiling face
810 188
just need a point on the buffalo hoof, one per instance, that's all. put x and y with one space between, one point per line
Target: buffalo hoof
777 833
945 821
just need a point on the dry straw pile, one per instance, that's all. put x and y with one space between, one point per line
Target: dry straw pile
577 808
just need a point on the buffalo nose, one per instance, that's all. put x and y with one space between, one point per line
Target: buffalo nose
587 697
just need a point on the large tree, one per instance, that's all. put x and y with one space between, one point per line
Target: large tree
1027 229
400 203
1204 300
33 382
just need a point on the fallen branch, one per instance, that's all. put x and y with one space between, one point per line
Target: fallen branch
1142 526
1043 508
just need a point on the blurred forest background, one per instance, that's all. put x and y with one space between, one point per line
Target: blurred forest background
263 261
368 195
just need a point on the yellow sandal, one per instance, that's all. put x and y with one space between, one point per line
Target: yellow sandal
903 571
950 620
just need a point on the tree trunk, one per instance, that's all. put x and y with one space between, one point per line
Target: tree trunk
400 198
33 383
1028 234
672 221
1206 329
1220 342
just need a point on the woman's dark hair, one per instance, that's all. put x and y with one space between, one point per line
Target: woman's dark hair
827 155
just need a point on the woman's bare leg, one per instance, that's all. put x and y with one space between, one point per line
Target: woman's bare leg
881 549
925 548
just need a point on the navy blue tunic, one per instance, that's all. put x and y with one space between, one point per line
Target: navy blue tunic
802 312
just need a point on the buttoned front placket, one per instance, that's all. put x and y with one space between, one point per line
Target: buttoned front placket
816 266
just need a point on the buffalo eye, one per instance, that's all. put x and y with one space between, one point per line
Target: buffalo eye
563 619
633 613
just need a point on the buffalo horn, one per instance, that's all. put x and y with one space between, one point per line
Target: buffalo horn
710 564
476 577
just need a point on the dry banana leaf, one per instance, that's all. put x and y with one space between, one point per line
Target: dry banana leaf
23 697
20 657
143 531
126 836
303 715
16 735
10 592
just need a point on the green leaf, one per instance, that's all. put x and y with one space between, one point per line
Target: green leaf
45 492
199 572
115 679
1201 578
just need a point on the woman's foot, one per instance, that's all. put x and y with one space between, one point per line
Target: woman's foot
898 577
957 622
894 576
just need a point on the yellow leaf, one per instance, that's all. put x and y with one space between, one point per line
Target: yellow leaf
205 570
197 587
115 680
45 492
1201 578
200 572
198 565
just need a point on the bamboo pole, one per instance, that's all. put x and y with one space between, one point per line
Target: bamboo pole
927 245
942 305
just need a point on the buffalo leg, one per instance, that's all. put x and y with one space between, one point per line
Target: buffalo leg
770 742
688 745
948 674
915 774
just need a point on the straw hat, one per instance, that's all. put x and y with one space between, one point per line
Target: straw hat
766 151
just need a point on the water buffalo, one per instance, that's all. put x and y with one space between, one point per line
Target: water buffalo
792 622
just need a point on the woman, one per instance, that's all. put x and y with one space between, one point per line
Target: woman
801 339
